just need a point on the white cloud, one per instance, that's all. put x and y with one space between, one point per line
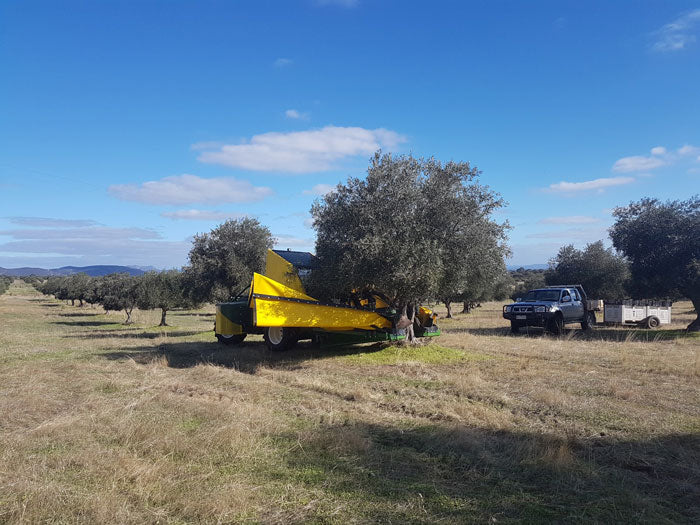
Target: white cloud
283 62
45 222
678 34
577 234
289 241
186 189
638 163
574 219
687 149
658 150
302 151
92 245
201 215
309 222
296 115
319 189
590 185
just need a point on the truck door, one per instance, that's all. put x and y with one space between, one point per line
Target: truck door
565 303
577 306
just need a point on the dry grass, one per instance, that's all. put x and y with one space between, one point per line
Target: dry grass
113 424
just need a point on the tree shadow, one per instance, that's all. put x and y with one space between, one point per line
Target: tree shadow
247 357
192 314
84 323
81 314
460 474
609 334
133 333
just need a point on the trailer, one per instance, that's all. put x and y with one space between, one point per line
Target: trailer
645 313
276 305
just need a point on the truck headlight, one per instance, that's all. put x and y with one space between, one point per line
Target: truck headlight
506 309
540 309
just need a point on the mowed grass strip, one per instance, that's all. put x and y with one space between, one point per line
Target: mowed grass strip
113 424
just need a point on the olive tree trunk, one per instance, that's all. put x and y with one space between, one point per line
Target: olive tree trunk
448 305
163 311
695 325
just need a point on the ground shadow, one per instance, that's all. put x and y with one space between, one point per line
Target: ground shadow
246 357
81 314
461 474
192 314
614 334
133 333
83 323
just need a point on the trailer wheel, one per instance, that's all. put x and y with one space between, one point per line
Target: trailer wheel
556 324
278 338
652 322
230 339
589 321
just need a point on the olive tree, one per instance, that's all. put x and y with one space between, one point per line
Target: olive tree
119 291
162 290
662 243
401 230
222 262
603 273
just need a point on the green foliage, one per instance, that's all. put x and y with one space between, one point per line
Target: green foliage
526 280
5 283
119 291
414 228
222 261
603 273
162 290
662 242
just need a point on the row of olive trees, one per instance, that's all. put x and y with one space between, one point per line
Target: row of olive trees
120 291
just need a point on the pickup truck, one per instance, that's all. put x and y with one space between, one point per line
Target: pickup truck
551 308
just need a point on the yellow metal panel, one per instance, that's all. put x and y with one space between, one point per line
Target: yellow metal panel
225 326
272 312
266 286
282 271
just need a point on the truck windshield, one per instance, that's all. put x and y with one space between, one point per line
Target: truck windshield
542 295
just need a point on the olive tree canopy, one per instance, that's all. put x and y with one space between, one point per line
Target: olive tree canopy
662 242
409 229
222 261
603 273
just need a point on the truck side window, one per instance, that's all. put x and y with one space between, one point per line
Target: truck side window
574 293
564 294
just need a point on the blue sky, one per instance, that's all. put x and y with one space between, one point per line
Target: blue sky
128 127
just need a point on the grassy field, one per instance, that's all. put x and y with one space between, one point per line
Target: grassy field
105 423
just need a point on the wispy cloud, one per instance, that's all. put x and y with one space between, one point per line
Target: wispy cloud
590 185
302 151
341 3
677 35
45 222
296 115
200 215
289 241
574 219
578 234
638 163
319 189
92 245
283 62
187 189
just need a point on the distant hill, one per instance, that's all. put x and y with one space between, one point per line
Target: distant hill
528 267
93 271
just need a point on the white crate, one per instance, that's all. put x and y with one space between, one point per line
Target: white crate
632 314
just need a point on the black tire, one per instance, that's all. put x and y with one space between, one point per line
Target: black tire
589 321
279 339
556 325
515 327
653 322
230 339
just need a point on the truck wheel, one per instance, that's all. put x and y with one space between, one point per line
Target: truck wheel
556 325
589 321
514 327
278 338
231 339
652 322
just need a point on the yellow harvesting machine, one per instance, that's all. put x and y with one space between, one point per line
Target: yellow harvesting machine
278 307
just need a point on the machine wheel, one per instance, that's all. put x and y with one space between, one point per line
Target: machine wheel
231 339
279 339
515 327
589 321
652 322
556 325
